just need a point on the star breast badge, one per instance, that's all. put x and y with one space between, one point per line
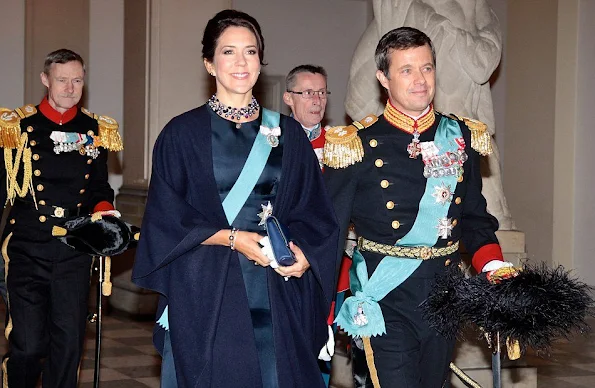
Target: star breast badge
443 194
267 210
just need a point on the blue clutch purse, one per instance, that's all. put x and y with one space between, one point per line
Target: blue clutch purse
279 238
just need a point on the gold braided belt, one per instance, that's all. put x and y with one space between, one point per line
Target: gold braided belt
420 253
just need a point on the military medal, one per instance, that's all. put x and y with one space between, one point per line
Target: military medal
360 318
267 210
444 227
414 148
442 194
73 141
271 134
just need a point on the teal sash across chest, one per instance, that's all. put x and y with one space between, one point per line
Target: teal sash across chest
360 314
239 193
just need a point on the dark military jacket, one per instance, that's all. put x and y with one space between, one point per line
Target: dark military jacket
381 194
62 180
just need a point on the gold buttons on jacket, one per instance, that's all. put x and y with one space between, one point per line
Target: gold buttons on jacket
82 191
460 179
384 183
379 163
35 157
12 221
390 205
79 204
42 218
447 263
87 176
396 224
90 133
33 143
89 161
454 222
42 202
29 129
37 172
39 187
458 200
373 143
449 243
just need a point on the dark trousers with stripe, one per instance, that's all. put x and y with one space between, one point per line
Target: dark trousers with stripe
410 354
48 290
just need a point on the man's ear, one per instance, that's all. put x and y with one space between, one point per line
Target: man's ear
287 99
382 79
44 79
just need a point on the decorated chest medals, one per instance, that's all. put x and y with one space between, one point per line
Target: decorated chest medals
72 141
437 164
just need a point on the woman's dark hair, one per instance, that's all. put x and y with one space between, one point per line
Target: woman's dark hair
401 38
220 22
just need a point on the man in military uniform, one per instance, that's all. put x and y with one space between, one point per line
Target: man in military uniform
409 180
306 94
55 159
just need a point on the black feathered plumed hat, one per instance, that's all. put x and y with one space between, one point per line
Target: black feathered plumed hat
106 236
533 305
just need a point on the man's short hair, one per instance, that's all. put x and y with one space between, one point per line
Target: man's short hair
290 79
401 38
61 56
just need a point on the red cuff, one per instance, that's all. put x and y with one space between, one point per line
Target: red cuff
103 206
486 254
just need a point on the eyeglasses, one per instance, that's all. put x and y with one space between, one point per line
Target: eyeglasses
309 93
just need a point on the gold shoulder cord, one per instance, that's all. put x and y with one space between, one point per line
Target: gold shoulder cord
12 170
10 128
343 146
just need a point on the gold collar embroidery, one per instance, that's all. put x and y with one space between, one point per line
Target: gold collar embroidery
406 123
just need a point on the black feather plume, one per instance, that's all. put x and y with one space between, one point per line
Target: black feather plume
535 307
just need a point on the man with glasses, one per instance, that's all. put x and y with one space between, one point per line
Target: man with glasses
306 95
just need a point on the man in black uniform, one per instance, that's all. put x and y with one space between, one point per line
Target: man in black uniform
55 159
409 180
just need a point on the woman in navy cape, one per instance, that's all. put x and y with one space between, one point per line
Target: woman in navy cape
231 319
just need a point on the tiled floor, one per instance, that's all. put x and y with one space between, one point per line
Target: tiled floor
128 359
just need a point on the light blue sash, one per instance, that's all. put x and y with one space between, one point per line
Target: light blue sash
239 193
360 314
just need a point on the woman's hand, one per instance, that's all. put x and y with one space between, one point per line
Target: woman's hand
247 244
298 268
244 242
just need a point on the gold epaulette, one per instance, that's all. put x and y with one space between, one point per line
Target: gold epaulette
343 146
481 140
10 124
109 136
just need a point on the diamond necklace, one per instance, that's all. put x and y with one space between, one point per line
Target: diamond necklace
232 113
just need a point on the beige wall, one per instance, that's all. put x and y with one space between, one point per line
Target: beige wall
105 78
51 25
12 76
311 31
584 183
529 142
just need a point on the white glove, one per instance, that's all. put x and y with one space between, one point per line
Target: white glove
496 264
328 350
268 251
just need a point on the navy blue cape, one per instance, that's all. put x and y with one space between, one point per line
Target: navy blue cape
203 284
